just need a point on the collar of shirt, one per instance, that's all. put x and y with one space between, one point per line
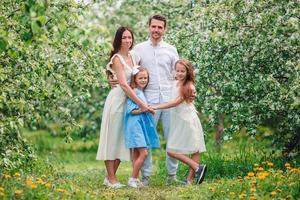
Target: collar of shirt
159 44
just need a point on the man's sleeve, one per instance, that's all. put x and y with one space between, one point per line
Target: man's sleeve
175 58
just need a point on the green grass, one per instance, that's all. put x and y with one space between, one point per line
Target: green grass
70 171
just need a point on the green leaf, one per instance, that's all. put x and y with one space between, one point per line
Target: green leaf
35 27
62 25
42 19
27 36
3 44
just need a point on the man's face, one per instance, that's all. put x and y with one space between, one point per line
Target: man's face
156 29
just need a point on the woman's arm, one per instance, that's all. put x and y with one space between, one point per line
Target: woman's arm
119 69
169 104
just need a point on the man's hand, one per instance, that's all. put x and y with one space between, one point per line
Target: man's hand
113 82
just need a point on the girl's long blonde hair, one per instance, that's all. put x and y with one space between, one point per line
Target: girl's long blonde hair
186 90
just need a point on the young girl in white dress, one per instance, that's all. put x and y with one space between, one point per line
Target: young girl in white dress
140 130
186 133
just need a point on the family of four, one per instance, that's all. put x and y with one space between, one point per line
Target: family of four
149 83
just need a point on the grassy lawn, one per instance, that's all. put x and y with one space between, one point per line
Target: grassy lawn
245 169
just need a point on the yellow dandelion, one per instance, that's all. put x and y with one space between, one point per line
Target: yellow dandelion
222 191
1 189
29 182
40 181
231 193
18 178
262 175
242 196
48 185
6 176
17 174
294 171
252 190
288 168
61 190
250 174
33 186
247 177
270 164
253 181
18 192
263 163
260 169
289 196
256 165
253 198
273 193
278 190
287 164
1 194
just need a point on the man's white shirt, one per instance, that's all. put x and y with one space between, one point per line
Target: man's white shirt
160 62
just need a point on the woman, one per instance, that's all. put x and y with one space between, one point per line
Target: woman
111 145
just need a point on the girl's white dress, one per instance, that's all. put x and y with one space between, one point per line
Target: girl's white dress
186 133
112 142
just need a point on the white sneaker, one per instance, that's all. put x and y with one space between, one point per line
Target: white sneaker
135 183
116 185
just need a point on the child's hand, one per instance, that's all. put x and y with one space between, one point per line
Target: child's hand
147 108
152 110
154 107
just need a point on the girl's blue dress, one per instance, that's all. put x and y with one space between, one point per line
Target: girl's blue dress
140 129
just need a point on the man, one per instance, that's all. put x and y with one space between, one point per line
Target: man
159 58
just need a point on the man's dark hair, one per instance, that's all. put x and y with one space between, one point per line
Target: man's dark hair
158 17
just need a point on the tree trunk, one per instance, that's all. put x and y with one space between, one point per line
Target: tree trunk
290 146
219 132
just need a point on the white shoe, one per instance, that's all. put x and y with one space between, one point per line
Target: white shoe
135 183
116 185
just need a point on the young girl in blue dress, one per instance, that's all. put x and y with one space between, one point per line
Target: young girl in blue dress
140 129
186 140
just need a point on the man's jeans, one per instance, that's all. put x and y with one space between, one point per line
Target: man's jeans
171 163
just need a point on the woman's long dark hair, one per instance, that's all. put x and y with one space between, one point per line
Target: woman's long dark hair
118 40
